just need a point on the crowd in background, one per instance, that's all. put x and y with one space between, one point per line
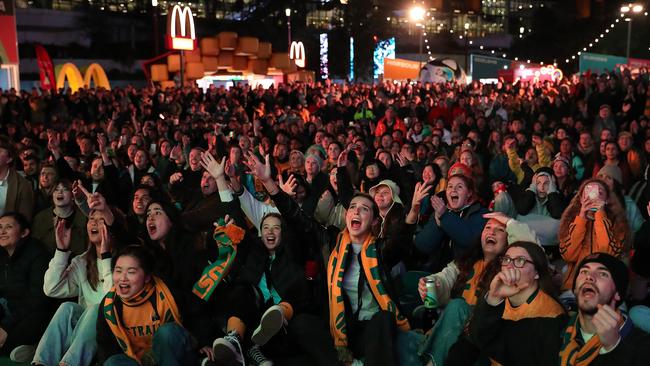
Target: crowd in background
291 225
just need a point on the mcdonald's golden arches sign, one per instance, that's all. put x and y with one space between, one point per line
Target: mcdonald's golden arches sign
181 34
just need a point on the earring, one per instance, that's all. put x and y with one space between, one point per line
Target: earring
537 277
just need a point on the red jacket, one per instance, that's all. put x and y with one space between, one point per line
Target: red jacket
382 128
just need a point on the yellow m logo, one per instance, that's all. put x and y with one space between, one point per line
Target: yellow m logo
297 53
180 20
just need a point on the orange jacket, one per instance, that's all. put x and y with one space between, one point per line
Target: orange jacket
586 237
382 128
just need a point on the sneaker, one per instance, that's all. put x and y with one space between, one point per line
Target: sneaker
22 354
271 322
228 351
206 362
255 354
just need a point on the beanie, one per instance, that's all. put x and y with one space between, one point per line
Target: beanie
562 159
318 159
615 266
612 171
462 169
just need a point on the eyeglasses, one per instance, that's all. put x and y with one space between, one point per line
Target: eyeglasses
518 262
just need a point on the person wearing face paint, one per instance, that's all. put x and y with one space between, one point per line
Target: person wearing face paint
64 209
24 308
595 221
460 284
139 321
70 337
363 316
456 225
600 333
268 305
520 302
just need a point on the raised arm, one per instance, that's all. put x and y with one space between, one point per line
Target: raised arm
288 208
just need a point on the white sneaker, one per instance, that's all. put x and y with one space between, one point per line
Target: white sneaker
22 354
270 324
228 351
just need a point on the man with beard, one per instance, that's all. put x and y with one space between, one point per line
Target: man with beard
599 334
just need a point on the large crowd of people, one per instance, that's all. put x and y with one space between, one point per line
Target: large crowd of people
306 223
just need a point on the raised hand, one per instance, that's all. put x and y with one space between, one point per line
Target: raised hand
439 206
607 322
257 168
505 284
289 187
105 242
499 216
230 170
421 191
97 202
176 178
101 143
62 235
212 166
401 160
175 153
79 192
343 158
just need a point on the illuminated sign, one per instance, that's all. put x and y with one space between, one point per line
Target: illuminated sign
297 53
181 34
324 56
384 49
537 73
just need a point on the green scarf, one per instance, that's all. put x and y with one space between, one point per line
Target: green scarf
371 270
227 238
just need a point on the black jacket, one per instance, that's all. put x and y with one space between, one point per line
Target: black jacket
287 270
21 281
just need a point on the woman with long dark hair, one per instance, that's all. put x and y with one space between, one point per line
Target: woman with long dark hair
594 221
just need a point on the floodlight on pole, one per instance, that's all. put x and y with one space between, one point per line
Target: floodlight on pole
416 14
625 9
287 12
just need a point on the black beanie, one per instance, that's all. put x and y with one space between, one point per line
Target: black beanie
615 266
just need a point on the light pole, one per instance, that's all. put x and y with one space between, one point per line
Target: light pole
634 9
156 36
416 14
287 12
466 27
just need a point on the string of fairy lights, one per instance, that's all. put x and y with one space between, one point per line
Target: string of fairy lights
497 52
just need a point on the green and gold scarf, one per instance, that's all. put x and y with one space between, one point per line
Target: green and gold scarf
227 238
371 269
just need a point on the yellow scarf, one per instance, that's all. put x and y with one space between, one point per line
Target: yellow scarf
575 352
371 269
166 311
